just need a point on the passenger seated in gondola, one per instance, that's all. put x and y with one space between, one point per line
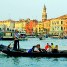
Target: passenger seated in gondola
55 50
37 48
31 50
48 48
56 47
52 46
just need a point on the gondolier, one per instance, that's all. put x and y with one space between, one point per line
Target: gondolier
16 40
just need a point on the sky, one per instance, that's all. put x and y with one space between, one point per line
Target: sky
23 9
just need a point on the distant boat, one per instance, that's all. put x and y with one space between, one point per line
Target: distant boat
56 37
31 36
7 38
41 37
65 37
22 37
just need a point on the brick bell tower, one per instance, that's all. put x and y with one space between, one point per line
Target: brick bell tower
44 14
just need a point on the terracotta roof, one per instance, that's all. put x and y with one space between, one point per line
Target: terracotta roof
63 17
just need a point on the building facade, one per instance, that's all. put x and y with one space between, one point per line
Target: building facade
31 27
65 28
46 26
20 25
7 25
56 26
40 27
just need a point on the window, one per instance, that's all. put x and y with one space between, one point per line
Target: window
52 23
12 30
61 22
57 28
52 28
64 28
0 29
57 22
61 28
7 29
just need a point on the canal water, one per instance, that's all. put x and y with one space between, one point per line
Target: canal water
6 61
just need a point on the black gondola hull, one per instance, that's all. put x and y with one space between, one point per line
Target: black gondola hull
40 54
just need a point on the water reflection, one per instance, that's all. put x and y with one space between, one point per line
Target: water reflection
32 61
2 55
16 60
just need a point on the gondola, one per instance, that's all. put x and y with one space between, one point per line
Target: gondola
24 53
2 47
35 54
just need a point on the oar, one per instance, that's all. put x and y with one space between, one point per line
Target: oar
10 44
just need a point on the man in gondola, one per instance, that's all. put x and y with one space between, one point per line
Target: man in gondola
37 48
16 40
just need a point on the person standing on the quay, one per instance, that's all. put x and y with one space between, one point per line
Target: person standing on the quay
16 40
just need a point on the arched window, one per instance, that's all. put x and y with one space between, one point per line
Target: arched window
0 29
7 29
61 22
61 28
